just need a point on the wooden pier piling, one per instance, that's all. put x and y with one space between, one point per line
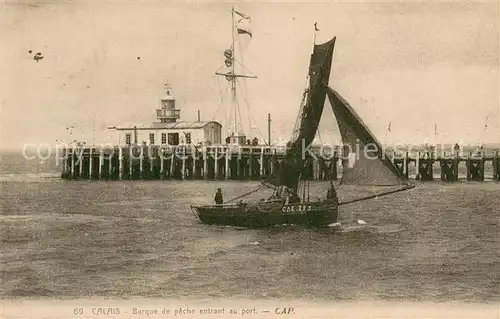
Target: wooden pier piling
172 163
227 156
405 165
120 159
239 171
64 168
216 163
449 168
475 167
425 167
72 171
401 163
205 163
496 166
80 162
90 162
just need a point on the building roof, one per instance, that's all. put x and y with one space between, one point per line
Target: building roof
174 125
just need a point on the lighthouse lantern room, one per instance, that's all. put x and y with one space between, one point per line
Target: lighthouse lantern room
168 113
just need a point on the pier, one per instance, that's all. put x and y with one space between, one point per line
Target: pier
225 162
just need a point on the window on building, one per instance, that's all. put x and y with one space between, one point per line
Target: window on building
188 138
151 138
163 138
173 138
128 138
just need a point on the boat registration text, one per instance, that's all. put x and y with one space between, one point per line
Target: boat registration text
298 208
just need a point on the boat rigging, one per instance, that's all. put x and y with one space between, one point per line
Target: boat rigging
232 75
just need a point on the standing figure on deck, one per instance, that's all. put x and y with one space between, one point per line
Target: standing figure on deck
331 194
218 197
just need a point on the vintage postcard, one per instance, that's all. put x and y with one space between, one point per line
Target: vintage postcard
259 159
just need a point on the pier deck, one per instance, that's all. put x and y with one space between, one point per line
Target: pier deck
135 162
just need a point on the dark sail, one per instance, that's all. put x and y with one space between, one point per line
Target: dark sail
366 163
310 114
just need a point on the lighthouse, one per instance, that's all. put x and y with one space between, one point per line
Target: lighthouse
169 129
168 113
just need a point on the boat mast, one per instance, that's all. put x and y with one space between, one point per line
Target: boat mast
230 75
314 34
233 78
305 95
306 100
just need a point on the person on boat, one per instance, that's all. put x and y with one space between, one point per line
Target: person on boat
218 197
294 197
290 195
331 194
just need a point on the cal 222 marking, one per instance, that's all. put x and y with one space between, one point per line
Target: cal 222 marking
298 208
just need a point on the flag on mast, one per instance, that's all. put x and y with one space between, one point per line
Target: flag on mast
244 31
240 27
244 16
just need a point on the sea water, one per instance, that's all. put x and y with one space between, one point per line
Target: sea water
436 242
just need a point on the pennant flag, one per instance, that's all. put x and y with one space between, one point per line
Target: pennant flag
389 127
243 31
244 16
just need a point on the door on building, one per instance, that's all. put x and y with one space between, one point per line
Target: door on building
173 138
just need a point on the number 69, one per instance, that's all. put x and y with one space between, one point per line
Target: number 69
78 311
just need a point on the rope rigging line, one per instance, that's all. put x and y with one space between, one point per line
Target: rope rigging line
237 109
246 194
237 102
241 64
223 66
296 127
250 116
301 108
239 116
221 101
240 49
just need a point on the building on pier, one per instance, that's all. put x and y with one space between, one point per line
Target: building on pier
169 130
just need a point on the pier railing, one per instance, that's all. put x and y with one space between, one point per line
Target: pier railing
188 162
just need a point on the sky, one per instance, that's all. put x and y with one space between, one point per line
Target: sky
418 66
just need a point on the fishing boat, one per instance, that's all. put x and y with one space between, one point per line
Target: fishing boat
291 202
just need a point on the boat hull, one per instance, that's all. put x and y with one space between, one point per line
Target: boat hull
314 214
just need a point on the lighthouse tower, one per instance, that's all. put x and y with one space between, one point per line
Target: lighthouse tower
168 113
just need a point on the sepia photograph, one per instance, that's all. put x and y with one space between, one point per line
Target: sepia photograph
257 159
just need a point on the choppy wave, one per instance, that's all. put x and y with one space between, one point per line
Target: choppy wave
375 229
